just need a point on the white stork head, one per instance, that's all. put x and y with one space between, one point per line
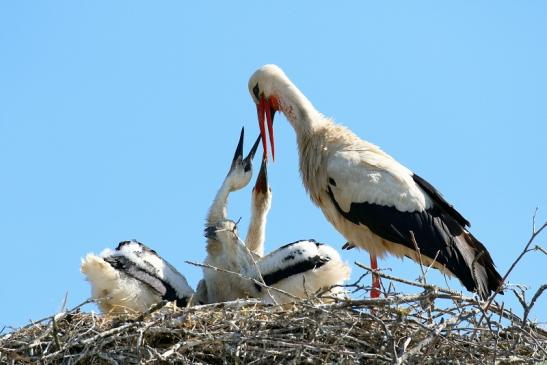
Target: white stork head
272 91
241 169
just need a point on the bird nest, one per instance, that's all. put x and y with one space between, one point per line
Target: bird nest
432 326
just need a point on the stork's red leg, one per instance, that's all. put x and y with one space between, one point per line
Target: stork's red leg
375 292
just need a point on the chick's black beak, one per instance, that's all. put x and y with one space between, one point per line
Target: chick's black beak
239 149
252 152
248 161
261 184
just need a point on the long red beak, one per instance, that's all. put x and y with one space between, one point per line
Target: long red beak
266 116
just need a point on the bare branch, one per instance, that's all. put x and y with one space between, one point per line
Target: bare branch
528 308
386 330
535 233
254 281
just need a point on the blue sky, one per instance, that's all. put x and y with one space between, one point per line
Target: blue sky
118 120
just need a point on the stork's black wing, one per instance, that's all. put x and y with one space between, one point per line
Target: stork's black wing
435 231
439 200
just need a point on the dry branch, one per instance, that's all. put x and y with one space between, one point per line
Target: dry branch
434 326
391 330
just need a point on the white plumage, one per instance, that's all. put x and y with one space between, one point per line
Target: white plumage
224 249
133 277
301 268
370 198
238 177
261 200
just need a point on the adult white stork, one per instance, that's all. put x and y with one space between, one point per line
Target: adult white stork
133 277
370 198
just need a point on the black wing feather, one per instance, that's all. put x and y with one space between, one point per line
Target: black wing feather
435 230
160 286
295 269
439 200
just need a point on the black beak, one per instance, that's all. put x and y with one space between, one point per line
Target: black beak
210 232
261 184
252 152
348 246
239 149
248 161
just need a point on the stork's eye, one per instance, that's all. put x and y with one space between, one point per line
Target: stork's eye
256 91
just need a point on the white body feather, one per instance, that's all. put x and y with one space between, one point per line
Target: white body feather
303 285
226 251
117 291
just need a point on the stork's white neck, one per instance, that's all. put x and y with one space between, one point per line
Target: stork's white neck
256 234
309 125
218 210
300 112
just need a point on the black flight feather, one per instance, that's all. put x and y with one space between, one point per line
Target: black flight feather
435 230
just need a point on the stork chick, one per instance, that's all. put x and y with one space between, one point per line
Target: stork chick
371 199
238 177
224 248
226 251
261 200
133 277
301 268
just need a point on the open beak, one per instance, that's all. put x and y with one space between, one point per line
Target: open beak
252 152
239 149
266 113
261 184
248 161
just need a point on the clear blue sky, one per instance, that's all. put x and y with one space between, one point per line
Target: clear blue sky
118 120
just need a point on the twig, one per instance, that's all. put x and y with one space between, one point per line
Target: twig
528 308
433 336
540 249
535 233
254 281
251 256
409 282
413 239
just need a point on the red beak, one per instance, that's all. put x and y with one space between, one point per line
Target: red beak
265 116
